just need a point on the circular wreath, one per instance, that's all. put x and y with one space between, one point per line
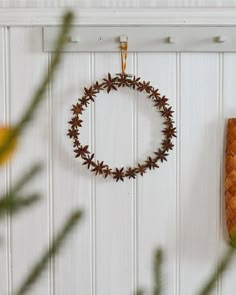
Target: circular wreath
113 83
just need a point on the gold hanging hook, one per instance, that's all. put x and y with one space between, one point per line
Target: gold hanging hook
123 52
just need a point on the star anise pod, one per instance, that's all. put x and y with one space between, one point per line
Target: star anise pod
123 80
130 172
110 83
161 102
119 174
90 93
169 122
161 155
88 161
77 109
73 133
81 151
170 131
141 169
98 86
145 86
167 112
84 101
167 144
107 171
75 122
76 143
151 163
98 168
154 93
134 82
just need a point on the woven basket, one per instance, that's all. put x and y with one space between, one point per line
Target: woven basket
230 178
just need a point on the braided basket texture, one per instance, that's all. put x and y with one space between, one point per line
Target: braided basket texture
230 178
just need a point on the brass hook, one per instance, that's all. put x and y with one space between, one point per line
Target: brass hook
123 52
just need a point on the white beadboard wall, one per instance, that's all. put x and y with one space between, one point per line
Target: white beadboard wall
178 207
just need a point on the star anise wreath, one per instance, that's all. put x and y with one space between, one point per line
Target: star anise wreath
112 84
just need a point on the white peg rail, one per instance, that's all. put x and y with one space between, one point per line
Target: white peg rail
146 38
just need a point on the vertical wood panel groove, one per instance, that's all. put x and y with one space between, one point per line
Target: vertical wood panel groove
50 180
114 224
134 186
5 122
228 109
199 182
8 167
220 202
178 175
93 185
71 182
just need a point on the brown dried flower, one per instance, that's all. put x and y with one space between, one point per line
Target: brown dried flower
89 161
161 102
154 93
169 132
77 109
107 171
81 151
167 112
141 169
151 163
98 86
144 86
75 122
134 82
85 101
119 174
110 83
122 81
90 93
76 143
73 133
167 144
98 168
161 155
130 173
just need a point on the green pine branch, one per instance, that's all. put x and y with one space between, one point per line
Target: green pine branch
157 273
210 284
39 94
14 204
140 292
158 261
57 244
219 270
13 201
25 179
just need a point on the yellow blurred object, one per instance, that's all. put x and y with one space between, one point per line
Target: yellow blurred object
4 132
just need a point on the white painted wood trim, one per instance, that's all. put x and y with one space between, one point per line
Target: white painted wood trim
130 16
145 38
